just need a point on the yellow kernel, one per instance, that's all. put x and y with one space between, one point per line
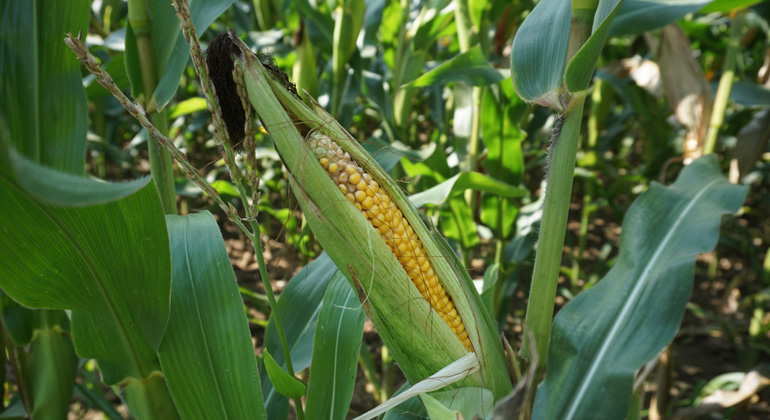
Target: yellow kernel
380 210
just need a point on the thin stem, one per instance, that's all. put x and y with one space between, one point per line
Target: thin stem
552 232
563 153
725 84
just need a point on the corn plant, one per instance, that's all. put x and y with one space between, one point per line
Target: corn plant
148 300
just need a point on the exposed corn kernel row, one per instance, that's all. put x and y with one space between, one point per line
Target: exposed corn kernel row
375 203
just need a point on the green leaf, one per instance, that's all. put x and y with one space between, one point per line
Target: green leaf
438 411
461 182
725 6
97 249
95 399
335 352
15 409
433 24
457 223
580 70
539 52
283 382
527 224
411 409
471 67
637 16
505 160
18 321
606 333
207 341
472 402
49 367
750 95
188 106
43 101
169 48
388 154
305 290
491 277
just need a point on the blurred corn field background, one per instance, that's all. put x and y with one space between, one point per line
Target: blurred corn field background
238 282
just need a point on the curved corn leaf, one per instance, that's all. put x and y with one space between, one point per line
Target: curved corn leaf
305 290
749 95
437 410
539 55
637 16
207 342
581 68
100 250
49 367
609 331
471 67
43 101
284 383
725 6
335 352
465 180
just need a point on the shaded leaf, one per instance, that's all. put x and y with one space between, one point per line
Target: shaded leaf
43 102
581 68
539 53
95 248
283 382
637 16
471 67
606 333
462 181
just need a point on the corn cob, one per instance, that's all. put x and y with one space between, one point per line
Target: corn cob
382 213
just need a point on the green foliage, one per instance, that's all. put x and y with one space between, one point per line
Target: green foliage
601 338
43 104
152 302
207 340
335 351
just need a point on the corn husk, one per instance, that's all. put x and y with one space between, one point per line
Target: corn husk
419 340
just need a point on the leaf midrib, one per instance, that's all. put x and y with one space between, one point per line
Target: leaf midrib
206 346
625 310
94 276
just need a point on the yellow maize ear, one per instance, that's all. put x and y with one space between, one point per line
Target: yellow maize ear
379 209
